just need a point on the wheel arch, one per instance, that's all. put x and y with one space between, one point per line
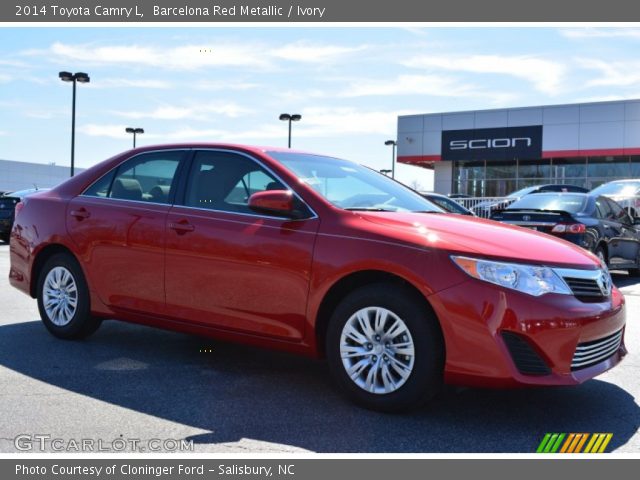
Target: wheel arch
41 258
351 282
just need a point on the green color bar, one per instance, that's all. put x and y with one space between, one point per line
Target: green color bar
550 443
543 443
555 448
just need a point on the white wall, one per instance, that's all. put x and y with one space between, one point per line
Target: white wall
20 175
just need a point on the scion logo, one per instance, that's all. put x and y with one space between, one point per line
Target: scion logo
489 143
506 143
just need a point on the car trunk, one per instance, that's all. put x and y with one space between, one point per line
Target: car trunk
541 221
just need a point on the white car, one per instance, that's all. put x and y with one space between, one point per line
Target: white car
625 192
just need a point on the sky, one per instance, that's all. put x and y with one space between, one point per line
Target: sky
230 84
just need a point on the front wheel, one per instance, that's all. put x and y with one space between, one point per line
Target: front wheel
63 299
385 348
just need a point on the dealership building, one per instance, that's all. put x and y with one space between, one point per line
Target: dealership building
21 175
495 152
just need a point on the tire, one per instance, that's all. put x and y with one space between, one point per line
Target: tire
73 320
635 272
385 389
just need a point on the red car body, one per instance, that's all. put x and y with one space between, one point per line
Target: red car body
273 282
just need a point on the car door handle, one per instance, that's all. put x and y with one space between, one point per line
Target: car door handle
181 227
80 214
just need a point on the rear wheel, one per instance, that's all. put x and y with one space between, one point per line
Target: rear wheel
385 348
63 299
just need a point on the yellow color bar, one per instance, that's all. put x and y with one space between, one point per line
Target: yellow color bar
594 437
605 442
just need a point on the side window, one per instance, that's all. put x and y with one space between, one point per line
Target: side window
147 178
603 210
618 213
225 181
100 188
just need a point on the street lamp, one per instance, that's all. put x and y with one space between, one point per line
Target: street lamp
296 117
393 156
135 131
78 77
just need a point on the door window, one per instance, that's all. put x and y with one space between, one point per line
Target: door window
143 178
225 181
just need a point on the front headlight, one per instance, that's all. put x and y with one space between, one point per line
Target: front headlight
529 279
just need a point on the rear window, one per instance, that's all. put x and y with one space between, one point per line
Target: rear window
566 203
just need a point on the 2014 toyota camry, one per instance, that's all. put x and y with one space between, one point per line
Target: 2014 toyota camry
317 256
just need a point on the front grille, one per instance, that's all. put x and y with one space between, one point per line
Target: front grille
584 287
595 351
527 361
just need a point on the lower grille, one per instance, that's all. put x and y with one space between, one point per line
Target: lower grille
596 351
527 361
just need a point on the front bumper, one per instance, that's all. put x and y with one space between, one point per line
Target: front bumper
478 318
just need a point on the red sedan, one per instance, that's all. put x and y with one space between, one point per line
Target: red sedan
318 256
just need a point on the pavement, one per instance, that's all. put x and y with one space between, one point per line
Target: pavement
138 388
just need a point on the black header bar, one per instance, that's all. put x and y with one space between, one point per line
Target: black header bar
225 11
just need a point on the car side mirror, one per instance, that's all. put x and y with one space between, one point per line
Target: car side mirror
273 202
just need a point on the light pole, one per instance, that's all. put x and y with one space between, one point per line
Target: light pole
296 117
74 78
135 131
393 156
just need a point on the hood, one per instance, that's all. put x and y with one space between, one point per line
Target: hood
480 237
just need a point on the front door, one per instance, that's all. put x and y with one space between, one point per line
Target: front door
230 267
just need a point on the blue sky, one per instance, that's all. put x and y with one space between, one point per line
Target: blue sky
230 84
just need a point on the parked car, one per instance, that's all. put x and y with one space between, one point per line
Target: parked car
625 192
8 203
484 209
256 245
446 203
594 222
459 195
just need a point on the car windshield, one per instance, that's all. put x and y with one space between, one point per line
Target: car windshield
351 186
617 188
566 203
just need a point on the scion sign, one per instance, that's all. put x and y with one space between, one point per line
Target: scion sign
492 143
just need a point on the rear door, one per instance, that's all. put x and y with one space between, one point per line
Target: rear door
623 244
118 225
232 268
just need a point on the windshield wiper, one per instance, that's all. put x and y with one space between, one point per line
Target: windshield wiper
370 209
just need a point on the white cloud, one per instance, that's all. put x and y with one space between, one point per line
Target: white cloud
129 83
111 131
432 85
3 133
195 112
589 32
184 57
213 85
313 53
545 75
612 74
4 78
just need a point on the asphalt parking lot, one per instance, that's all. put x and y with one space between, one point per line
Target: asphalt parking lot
137 383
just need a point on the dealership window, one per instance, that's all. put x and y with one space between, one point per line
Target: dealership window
498 178
635 166
534 168
615 167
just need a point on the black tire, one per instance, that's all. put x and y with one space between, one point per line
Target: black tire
425 378
81 323
635 272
